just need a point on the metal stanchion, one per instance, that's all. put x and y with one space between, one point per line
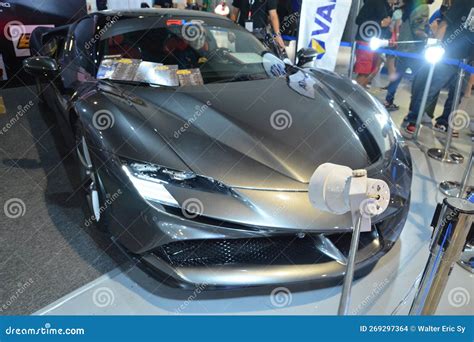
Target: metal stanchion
449 238
458 189
354 44
345 301
445 155
350 73
466 258
423 101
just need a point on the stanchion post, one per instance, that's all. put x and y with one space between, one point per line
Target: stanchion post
424 100
345 301
446 155
354 42
350 73
448 241
467 173
458 189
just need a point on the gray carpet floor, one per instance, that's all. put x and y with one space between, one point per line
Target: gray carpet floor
45 252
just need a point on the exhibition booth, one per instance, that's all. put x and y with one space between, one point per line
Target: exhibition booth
164 161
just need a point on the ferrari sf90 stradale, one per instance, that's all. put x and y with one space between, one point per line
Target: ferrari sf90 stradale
196 146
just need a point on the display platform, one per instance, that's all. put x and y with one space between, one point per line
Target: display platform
128 290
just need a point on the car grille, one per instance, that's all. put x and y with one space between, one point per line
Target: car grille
283 250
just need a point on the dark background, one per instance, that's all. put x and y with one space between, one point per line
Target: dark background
33 12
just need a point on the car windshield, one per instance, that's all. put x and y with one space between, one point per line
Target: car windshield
186 53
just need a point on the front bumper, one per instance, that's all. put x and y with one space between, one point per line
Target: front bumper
228 253
217 263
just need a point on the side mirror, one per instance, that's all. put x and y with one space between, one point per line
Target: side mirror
306 55
40 66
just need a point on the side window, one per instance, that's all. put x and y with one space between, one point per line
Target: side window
84 46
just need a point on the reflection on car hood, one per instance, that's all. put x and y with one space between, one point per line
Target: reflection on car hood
257 134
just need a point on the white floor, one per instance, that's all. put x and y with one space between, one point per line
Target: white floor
128 290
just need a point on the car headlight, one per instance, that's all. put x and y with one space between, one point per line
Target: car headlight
152 182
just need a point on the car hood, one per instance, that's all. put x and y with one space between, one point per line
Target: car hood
261 134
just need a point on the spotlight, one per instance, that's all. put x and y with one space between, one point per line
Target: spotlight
376 43
434 53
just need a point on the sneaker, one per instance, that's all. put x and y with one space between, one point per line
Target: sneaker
444 129
391 107
408 130
440 128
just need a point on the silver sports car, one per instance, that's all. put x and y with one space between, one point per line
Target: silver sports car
196 146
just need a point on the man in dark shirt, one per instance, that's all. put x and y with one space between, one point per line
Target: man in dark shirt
254 14
458 41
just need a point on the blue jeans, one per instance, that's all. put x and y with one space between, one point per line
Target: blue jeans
402 64
444 76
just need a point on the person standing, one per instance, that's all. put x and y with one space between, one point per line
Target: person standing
374 17
254 14
415 20
457 39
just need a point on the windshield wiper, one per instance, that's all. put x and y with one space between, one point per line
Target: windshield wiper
136 83
245 77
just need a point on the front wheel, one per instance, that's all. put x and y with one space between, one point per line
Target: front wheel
97 212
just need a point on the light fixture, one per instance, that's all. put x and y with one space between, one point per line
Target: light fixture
377 43
434 53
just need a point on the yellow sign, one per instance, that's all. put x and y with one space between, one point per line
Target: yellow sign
315 44
3 109
183 72
24 41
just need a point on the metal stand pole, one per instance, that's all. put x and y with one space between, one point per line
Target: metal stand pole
458 189
445 155
423 101
350 72
349 276
448 241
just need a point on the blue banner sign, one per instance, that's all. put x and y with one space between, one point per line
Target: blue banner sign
237 328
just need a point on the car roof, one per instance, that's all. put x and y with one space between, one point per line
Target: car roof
153 12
